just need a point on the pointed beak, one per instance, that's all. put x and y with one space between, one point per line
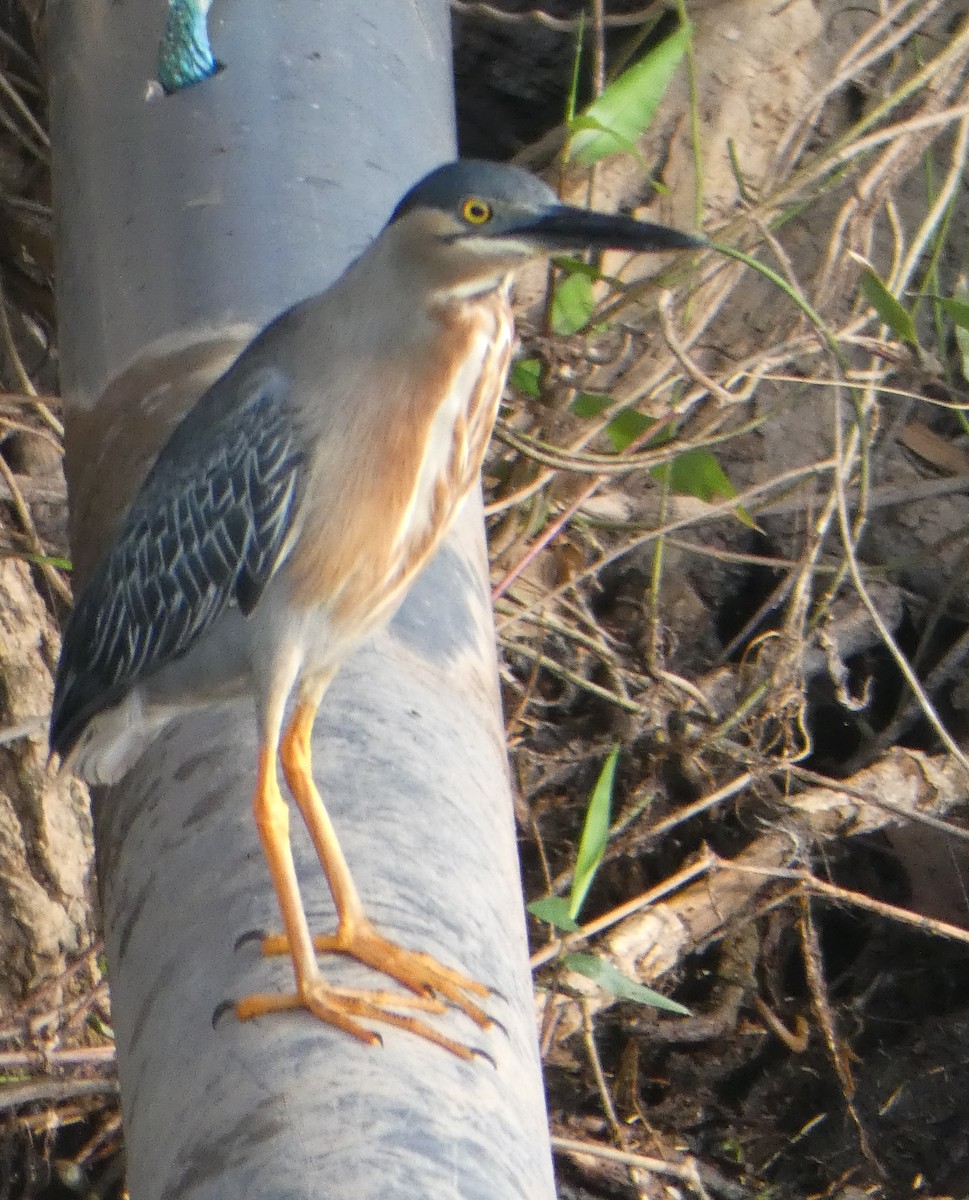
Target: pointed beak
566 228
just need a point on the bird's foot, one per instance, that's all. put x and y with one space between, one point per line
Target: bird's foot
346 1008
420 972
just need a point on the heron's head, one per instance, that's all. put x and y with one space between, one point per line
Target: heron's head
470 222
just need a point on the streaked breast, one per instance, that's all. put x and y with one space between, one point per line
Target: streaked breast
457 434
407 473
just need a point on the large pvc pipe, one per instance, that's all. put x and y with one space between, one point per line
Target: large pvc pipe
183 222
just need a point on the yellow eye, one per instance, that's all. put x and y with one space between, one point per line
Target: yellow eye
475 211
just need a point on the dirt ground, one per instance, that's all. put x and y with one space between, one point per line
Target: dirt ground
779 653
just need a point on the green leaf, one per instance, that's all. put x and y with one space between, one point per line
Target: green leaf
629 425
590 404
94 1022
526 376
626 427
62 564
698 473
595 834
572 304
611 980
608 141
554 910
627 106
892 313
572 99
958 310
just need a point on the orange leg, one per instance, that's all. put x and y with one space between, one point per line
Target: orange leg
339 1007
355 935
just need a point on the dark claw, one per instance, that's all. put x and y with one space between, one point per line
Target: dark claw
498 1025
221 1010
252 935
485 1055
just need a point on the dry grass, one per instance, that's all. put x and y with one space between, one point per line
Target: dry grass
737 802
784 682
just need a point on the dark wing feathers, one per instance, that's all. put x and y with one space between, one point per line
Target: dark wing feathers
208 528
269 505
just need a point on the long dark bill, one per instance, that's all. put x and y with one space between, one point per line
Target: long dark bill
568 228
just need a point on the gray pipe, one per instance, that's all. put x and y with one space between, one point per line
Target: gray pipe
183 223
